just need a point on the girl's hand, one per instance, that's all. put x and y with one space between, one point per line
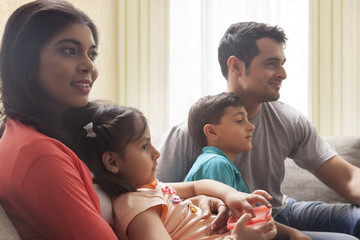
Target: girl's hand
265 231
238 201
209 205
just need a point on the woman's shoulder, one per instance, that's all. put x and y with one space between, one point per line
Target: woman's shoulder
24 138
22 148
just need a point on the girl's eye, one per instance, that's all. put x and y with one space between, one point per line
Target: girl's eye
240 121
145 146
93 55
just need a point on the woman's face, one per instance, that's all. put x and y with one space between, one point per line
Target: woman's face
67 70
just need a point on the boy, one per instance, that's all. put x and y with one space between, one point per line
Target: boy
219 125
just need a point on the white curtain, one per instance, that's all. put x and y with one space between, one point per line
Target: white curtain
196 27
143 58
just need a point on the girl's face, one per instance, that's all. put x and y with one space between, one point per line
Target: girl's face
67 70
138 164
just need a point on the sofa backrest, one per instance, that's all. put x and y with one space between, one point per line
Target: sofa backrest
7 229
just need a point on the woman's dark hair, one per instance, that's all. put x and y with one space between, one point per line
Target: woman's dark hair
209 110
240 39
26 32
115 127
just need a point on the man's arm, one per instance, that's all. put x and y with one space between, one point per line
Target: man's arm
342 177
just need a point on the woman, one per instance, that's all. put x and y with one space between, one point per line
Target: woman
47 65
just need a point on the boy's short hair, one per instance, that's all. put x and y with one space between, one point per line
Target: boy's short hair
209 110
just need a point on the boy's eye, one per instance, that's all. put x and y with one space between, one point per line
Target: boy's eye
240 121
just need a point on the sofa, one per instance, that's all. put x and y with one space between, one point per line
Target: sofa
298 183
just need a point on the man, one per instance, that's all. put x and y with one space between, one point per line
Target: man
251 56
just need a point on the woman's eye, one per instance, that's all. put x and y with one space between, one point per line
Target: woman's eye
68 51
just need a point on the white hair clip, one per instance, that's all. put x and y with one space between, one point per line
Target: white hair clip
89 128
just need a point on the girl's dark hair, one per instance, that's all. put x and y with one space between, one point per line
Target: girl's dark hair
240 39
115 127
209 110
26 32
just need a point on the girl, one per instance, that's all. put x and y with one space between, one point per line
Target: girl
115 143
47 64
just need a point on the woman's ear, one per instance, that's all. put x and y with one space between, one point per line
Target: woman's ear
111 161
210 132
236 66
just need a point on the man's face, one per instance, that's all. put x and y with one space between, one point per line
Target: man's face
262 80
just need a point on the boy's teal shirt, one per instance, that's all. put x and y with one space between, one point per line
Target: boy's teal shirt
214 164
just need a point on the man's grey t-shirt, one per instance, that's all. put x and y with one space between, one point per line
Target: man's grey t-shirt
280 132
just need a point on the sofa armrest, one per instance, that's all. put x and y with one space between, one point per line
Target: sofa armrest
7 229
304 186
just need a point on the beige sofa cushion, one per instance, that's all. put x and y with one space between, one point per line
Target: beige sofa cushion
7 229
304 186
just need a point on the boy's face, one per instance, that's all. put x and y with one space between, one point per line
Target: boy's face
234 132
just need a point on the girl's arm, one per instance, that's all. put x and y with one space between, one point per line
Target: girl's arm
148 225
236 201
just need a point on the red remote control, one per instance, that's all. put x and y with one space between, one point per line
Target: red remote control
262 215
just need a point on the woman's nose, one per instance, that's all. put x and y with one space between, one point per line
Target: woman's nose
87 65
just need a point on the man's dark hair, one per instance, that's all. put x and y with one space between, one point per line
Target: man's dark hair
240 39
